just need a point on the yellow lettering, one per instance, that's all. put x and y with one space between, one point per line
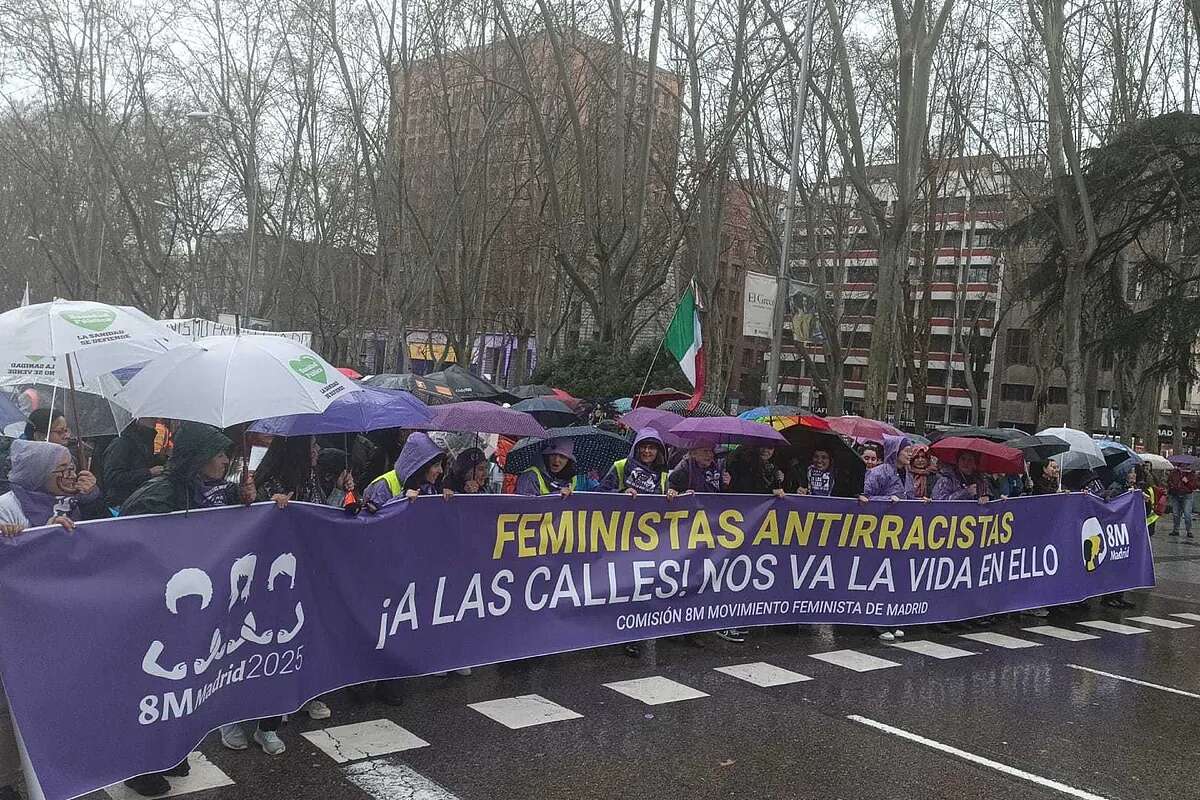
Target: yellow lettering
916 534
890 526
796 531
732 535
674 517
625 530
937 542
827 519
701 532
504 533
966 532
647 535
844 536
560 538
863 528
526 534
768 532
604 530
1006 520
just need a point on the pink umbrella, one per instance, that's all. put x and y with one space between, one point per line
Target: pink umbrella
700 431
861 429
656 418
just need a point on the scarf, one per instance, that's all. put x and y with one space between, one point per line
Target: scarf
820 481
921 485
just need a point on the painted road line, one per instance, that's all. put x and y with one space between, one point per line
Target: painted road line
980 760
1000 640
204 775
933 650
763 674
852 659
1065 634
656 690
1147 684
1159 622
1112 627
383 780
524 711
378 737
1192 617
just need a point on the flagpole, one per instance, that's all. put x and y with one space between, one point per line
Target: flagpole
782 284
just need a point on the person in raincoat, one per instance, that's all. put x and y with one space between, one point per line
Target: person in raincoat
644 472
130 461
42 485
556 472
470 473
417 472
962 481
885 480
920 475
699 471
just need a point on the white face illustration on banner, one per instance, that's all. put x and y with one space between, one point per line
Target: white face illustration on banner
195 582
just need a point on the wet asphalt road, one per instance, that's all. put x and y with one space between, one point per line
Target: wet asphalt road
1035 722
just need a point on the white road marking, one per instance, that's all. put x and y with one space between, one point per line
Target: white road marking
1065 634
1159 622
1000 640
383 780
1160 687
852 659
761 673
1192 617
933 650
204 775
656 690
361 740
1112 627
981 760
524 711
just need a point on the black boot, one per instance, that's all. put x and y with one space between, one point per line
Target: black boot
152 785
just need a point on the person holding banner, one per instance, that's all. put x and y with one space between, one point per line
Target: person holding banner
699 471
644 472
885 481
555 474
470 473
44 488
920 476
962 481
817 480
417 473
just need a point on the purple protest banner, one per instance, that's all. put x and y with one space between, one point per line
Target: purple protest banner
141 635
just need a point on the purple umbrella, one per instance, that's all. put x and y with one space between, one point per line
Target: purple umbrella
699 431
1184 460
477 416
368 409
656 418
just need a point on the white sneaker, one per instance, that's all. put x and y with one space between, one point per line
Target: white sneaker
233 737
464 671
317 710
887 636
270 742
898 634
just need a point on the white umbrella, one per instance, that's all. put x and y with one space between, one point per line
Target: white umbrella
1084 453
227 380
1157 462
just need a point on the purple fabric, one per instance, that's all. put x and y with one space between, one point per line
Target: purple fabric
131 620
478 416
688 476
417 452
368 409
712 431
884 481
646 480
952 486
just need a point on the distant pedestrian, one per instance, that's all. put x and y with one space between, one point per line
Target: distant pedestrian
1181 486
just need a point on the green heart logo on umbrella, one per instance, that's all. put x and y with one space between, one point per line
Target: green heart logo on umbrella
97 319
310 368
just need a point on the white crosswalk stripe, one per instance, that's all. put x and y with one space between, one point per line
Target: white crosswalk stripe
854 660
1159 622
1192 617
1065 634
933 650
1112 627
204 775
383 780
1000 640
656 690
761 673
524 711
378 737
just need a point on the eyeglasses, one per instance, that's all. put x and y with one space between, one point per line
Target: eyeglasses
65 472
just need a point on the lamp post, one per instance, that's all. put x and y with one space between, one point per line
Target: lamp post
246 145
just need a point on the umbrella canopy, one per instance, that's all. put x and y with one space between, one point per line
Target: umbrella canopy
704 409
1117 453
548 411
1184 460
917 438
529 390
715 431
848 466
1000 435
429 392
655 418
97 414
368 409
476 416
351 373
227 380
1039 448
1156 462
1083 452
623 405
757 414
657 397
994 458
595 450
469 387
861 429
10 414
778 417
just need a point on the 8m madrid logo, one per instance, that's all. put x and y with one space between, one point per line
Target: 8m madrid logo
1103 542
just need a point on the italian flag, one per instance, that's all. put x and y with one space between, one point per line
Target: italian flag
685 343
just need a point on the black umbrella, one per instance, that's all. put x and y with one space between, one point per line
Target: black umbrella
848 467
550 411
1039 448
680 407
997 435
532 390
594 449
470 387
429 391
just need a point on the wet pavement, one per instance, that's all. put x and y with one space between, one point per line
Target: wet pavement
1069 710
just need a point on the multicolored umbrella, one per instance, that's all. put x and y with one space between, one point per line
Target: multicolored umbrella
781 421
680 407
757 414
476 416
994 458
368 409
549 411
716 431
595 450
861 429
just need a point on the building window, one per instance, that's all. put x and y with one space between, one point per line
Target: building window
1103 398
1016 392
1057 396
1106 360
959 415
1017 346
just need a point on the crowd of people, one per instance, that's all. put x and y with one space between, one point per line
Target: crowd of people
157 467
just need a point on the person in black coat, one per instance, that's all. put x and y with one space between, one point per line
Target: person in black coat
129 462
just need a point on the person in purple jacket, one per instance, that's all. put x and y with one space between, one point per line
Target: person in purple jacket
418 471
963 481
884 482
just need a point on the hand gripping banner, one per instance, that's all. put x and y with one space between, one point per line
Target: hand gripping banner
141 635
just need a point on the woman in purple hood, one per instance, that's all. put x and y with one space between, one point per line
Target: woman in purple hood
885 481
417 472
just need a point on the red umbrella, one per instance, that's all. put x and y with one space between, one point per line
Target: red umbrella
658 397
861 429
996 459
566 397
351 373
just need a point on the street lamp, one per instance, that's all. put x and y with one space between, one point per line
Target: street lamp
251 185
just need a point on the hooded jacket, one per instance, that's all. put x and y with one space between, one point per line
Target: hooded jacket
464 465
181 487
27 503
688 476
631 473
919 483
953 485
538 480
127 463
418 453
884 481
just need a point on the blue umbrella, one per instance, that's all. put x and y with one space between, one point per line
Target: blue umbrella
1116 454
756 414
622 404
594 449
369 409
